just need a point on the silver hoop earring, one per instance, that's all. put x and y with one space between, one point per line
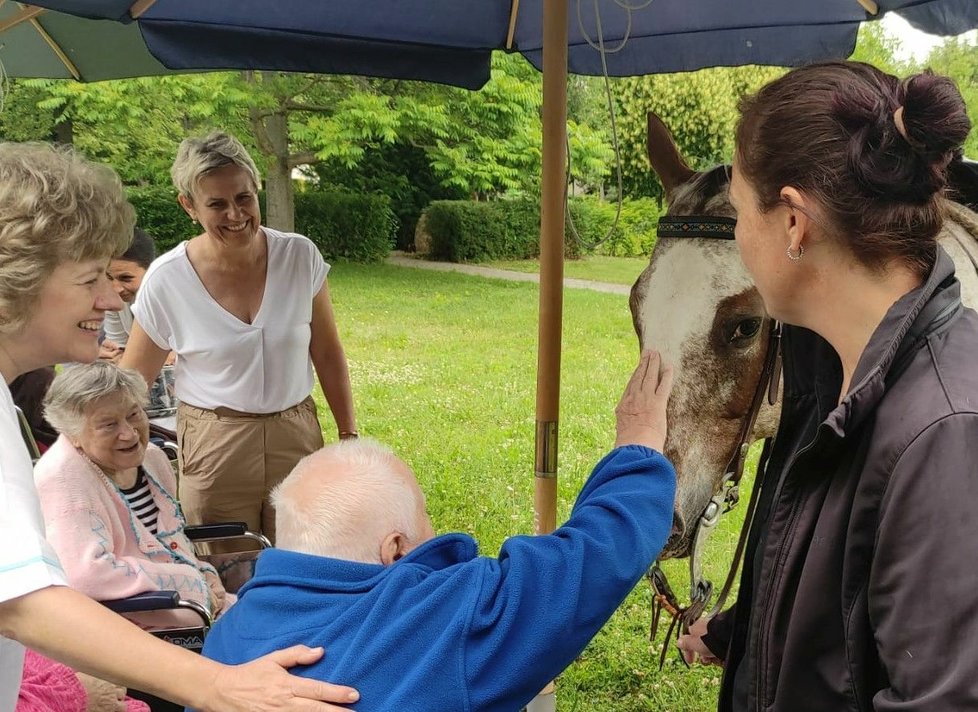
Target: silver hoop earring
795 258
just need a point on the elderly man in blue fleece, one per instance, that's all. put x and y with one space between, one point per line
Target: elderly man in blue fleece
419 622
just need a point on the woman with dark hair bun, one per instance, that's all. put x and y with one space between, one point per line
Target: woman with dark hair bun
859 590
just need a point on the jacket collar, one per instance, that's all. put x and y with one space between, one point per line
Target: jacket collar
812 367
280 565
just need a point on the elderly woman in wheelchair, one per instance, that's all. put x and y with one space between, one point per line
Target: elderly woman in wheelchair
109 498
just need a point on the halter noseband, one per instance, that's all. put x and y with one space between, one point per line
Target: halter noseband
664 599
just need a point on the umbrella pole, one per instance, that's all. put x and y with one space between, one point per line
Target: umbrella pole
551 279
551 262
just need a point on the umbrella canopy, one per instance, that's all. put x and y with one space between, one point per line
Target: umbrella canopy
60 46
447 41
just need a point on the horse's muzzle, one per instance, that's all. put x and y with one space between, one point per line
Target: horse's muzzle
679 543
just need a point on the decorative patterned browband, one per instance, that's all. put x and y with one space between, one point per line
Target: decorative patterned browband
714 226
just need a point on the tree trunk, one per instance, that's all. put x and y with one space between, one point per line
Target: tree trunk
279 195
64 132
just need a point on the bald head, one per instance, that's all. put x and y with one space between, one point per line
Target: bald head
351 500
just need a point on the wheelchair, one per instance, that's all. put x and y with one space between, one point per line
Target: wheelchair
190 637
233 568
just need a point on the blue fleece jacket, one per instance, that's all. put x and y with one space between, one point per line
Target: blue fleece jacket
444 629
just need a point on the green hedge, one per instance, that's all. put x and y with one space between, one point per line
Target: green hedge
633 236
359 228
466 231
159 214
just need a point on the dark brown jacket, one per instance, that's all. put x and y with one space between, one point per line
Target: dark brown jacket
860 590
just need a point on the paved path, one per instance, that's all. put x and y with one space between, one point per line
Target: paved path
402 259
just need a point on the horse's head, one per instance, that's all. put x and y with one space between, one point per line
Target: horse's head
696 304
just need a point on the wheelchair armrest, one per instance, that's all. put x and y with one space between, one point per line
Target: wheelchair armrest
170 449
198 532
228 530
158 601
149 601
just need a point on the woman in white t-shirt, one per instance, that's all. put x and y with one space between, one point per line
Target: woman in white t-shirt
61 219
248 313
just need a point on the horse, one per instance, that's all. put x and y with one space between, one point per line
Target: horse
696 304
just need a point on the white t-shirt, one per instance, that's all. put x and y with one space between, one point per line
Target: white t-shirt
118 324
262 367
27 561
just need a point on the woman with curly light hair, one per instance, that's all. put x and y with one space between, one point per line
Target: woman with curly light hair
61 219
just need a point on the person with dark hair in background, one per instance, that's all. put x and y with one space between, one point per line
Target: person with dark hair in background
28 391
858 590
126 274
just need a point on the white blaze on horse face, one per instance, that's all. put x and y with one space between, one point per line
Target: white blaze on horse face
680 297
684 283
675 306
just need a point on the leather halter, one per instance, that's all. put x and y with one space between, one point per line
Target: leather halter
728 494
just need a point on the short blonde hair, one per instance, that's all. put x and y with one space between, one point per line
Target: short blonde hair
55 207
77 387
198 156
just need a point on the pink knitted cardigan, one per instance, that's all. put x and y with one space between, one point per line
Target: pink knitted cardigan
49 686
106 551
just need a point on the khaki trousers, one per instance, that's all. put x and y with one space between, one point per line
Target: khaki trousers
230 461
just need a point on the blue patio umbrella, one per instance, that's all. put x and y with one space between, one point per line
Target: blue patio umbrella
448 41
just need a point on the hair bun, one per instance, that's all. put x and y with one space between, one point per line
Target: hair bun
935 116
903 155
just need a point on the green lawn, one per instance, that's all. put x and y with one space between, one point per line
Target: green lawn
617 270
443 368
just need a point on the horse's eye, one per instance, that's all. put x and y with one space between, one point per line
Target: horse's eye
746 329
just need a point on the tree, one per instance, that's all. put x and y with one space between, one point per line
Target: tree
958 58
482 144
20 119
874 46
699 107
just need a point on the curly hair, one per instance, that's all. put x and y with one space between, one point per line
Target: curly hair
55 207
76 388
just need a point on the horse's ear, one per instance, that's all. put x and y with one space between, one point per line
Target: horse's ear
665 158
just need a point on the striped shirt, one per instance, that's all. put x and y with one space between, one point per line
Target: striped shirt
141 502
